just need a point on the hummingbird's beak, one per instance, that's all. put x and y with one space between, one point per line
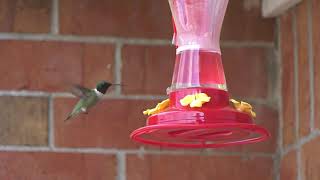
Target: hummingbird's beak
118 85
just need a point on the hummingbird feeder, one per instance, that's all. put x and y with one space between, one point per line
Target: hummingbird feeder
199 112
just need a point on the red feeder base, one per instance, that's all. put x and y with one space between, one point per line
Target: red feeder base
200 136
214 125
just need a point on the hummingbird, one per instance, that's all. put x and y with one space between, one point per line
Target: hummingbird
88 97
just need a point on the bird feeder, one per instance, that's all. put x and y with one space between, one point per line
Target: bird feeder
189 121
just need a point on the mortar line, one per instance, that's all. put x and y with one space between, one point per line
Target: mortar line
118 68
121 166
311 65
296 74
296 89
82 39
276 166
116 96
113 39
299 166
280 102
51 123
54 17
272 68
247 44
111 96
69 95
209 152
23 93
278 154
304 140
15 148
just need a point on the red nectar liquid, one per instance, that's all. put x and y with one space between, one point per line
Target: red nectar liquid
198 68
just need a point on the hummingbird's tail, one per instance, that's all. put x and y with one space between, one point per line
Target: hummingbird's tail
72 115
68 118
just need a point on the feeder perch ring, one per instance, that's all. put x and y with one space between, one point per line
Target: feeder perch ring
200 135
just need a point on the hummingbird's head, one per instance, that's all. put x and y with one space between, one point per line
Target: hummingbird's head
103 86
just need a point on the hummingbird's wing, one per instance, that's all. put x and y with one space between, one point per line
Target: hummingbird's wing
83 105
80 91
76 109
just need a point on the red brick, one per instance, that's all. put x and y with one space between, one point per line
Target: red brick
289 166
304 75
24 120
243 22
6 16
53 166
316 58
32 16
310 160
51 66
98 64
144 18
39 65
109 124
287 51
246 71
147 69
171 167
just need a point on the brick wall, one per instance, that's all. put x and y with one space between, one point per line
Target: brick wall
47 44
299 42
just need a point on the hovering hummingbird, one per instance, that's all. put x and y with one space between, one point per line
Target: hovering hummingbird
88 97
